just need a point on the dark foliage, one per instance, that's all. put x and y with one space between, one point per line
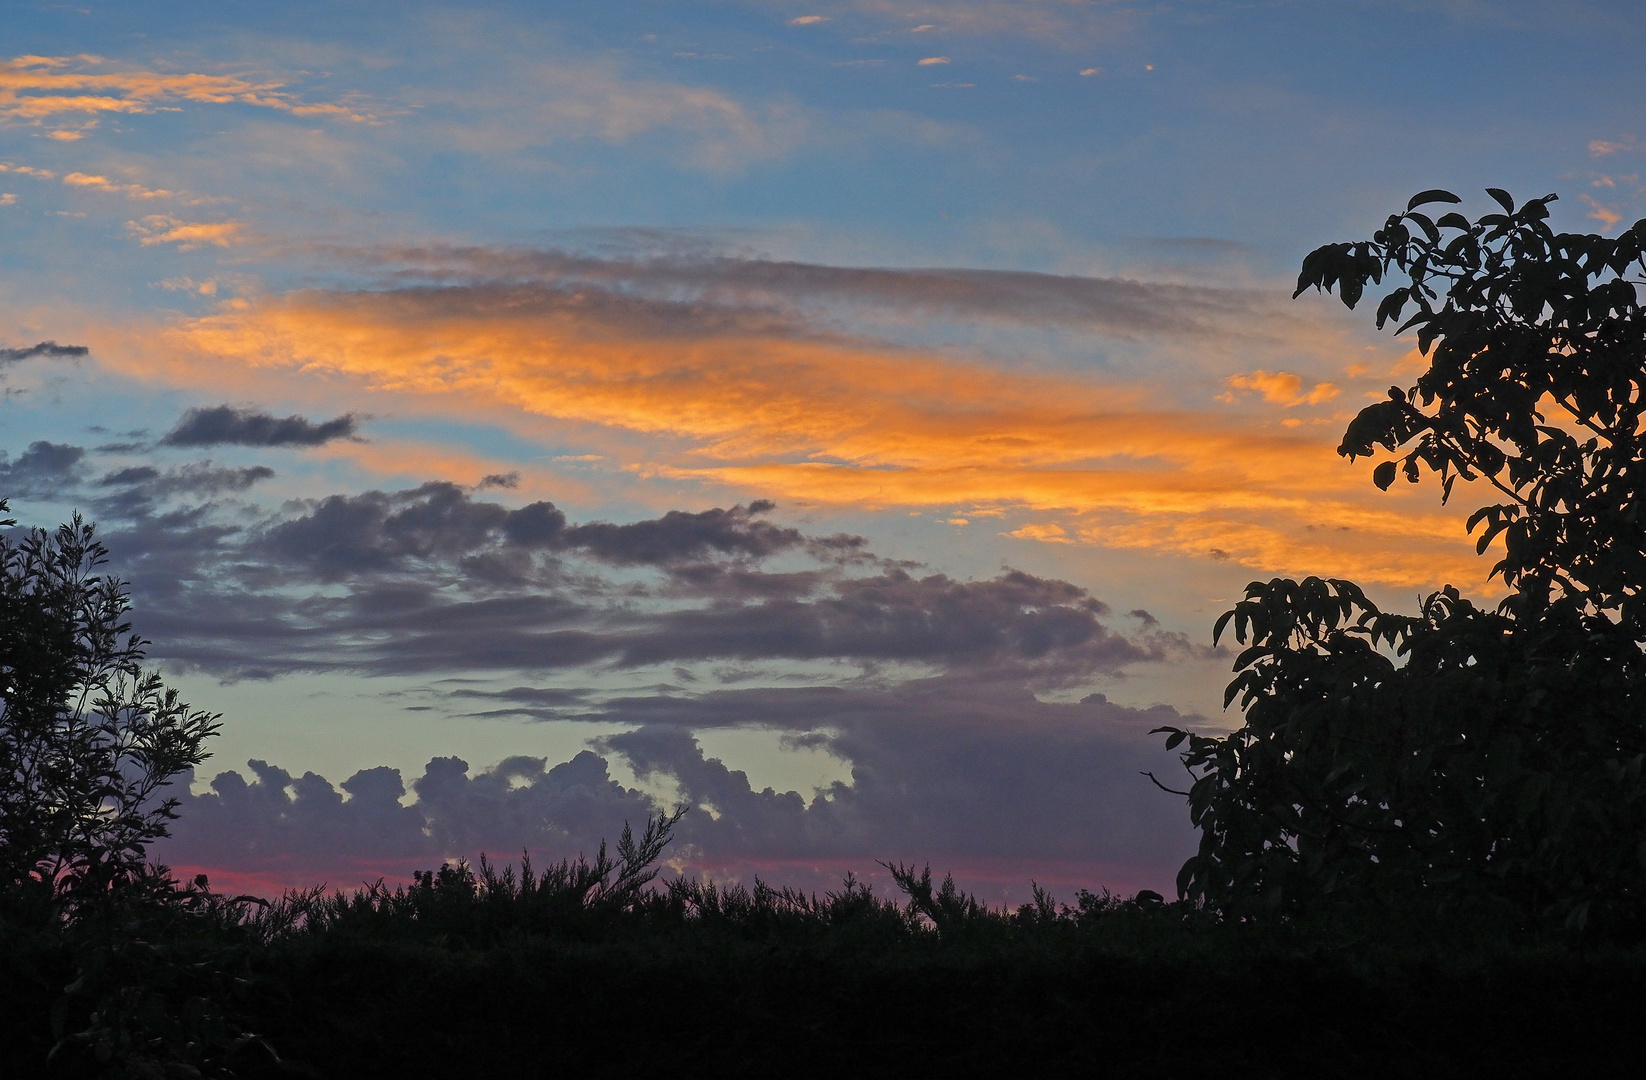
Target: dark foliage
1463 757
567 972
88 740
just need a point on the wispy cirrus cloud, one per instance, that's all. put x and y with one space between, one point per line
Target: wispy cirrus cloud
103 183
541 105
37 88
1064 24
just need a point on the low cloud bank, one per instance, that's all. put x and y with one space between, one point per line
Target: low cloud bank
997 787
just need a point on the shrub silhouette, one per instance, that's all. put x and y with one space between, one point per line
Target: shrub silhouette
1496 759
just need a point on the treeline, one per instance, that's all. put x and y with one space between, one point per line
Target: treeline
582 969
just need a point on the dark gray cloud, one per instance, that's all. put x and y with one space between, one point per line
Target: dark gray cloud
1014 626
44 470
686 288
224 424
679 536
994 785
1011 627
1014 623
48 349
136 490
434 580
377 531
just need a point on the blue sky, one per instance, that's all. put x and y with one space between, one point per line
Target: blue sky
988 299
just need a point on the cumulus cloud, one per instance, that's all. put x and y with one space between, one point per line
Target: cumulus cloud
303 829
43 470
225 424
991 784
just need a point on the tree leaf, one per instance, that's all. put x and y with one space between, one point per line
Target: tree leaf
1433 195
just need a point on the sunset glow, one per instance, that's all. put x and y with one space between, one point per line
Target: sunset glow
912 390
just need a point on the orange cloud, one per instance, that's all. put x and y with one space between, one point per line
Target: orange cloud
161 229
1049 532
35 88
103 183
27 170
1280 388
1604 147
744 406
1605 215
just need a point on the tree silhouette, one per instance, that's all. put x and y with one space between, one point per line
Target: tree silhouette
1496 758
87 738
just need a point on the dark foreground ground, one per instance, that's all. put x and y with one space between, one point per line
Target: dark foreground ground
860 987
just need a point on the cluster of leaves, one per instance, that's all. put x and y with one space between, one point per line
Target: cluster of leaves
87 738
1462 756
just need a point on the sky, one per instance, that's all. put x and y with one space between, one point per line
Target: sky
845 419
